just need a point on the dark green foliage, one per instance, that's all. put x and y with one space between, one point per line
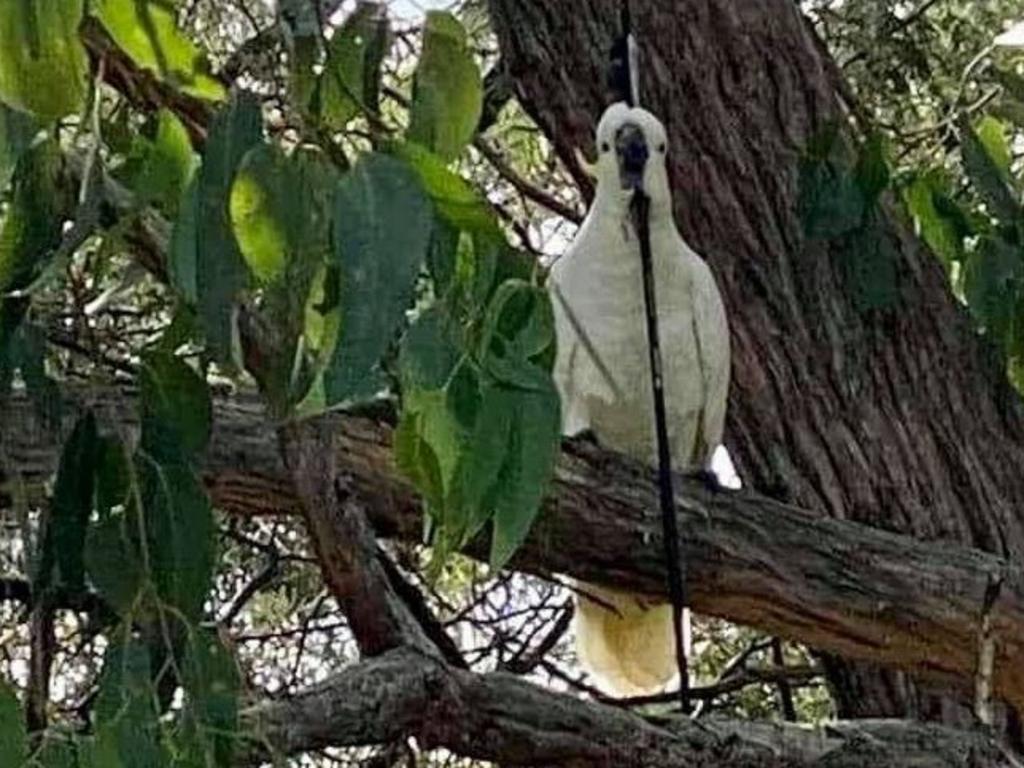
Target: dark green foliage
381 234
208 238
350 82
61 559
839 202
13 739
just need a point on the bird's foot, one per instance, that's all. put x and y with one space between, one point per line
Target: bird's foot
708 479
588 436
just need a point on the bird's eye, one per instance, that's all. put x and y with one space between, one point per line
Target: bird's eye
604 146
661 148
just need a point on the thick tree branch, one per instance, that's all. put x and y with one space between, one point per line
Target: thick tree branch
501 717
834 585
346 548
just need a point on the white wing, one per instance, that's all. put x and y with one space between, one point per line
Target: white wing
712 330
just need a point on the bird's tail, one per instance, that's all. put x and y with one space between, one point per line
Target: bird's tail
625 641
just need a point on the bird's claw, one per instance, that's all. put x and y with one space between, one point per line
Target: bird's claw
708 479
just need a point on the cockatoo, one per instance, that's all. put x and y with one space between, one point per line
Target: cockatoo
603 375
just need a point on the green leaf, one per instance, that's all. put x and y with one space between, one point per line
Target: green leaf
183 260
56 751
441 432
447 91
1012 82
992 284
160 170
147 31
126 718
212 684
992 135
428 354
518 330
176 409
417 459
350 81
442 255
113 560
181 535
987 176
280 208
17 130
221 273
13 739
43 65
113 476
872 169
455 201
525 475
261 197
381 234
831 202
490 441
935 216
72 505
32 227
28 353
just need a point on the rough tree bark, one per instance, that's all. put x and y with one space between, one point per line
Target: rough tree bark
899 418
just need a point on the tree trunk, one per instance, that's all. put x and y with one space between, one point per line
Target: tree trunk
897 417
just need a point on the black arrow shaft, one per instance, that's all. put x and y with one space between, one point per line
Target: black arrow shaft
674 563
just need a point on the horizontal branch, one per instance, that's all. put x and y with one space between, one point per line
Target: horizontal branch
501 717
834 585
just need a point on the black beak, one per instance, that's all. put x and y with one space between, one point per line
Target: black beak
631 149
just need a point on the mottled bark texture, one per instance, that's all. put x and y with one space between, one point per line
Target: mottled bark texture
897 417
505 719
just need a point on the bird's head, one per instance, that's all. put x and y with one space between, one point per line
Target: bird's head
631 150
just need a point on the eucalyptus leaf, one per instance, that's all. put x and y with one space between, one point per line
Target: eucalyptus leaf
455 201
183 257
447 91
43 65
991 132
126 718
212 683
181 535
148 32
991 284
113 560
177 412
220 273
988 177
160 169
32 227
526 473
382 227
13 738
350 81
280 210
71 507
17 130
929 205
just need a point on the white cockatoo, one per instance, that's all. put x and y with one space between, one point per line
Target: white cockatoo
602 370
